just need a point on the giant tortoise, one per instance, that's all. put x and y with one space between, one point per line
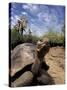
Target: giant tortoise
27 63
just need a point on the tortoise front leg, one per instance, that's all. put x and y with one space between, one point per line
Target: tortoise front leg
35 67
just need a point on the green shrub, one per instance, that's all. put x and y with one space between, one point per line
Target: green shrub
55 38
16 38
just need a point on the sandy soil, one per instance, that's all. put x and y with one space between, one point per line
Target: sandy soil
55 59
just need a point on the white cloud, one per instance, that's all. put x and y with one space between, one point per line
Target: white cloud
17 17
13 5
14 20
39 16
12 24
32 20
42 16
47 19
23 13
12 9
36 30
25 6
31 7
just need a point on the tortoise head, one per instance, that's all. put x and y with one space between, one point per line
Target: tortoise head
43 45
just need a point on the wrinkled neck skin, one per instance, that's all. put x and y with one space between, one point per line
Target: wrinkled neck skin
43 51
39 59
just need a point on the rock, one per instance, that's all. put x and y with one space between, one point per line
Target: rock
24 80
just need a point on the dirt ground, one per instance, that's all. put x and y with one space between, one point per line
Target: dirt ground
56 61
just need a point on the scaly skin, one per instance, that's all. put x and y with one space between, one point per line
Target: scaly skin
41 49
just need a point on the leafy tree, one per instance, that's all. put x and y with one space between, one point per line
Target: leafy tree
21 25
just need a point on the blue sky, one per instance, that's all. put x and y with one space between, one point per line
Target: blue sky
40 17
